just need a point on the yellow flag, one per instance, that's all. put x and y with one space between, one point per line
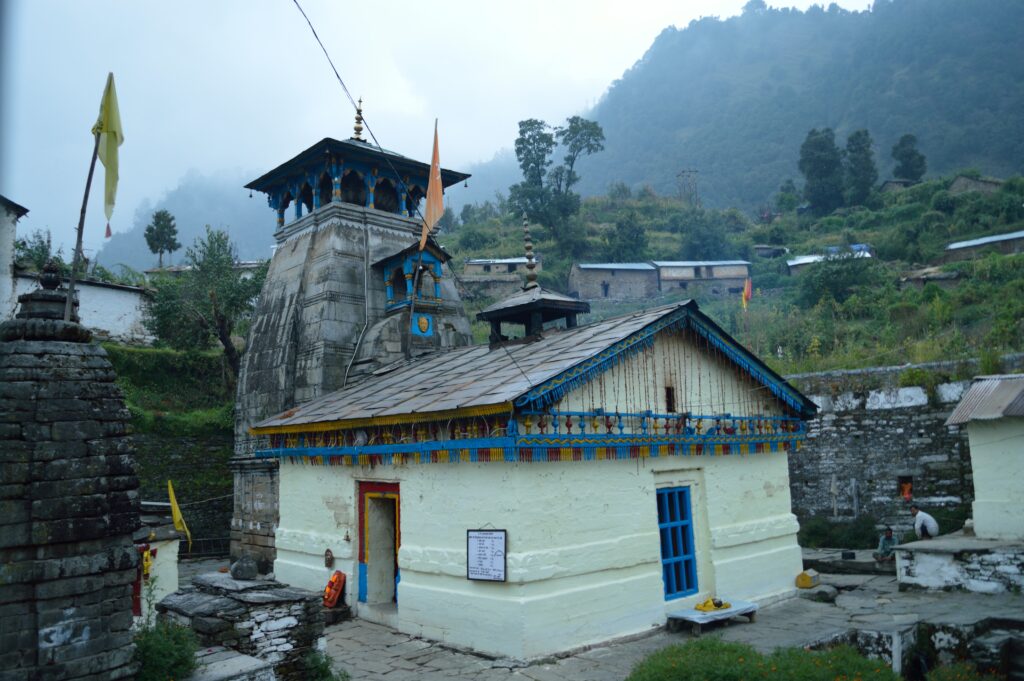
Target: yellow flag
108 127
179 521
435 201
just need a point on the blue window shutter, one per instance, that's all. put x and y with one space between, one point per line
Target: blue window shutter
678 557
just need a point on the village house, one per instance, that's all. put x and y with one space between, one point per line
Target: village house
799 263
1010 243
641 280
494 277
728 275
534 495
962 184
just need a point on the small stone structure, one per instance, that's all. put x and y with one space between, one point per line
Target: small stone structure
263 618
68 502
961 561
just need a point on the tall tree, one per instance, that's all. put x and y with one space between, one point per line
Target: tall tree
207 300
861 171
910 163
162 235
822 166
545 196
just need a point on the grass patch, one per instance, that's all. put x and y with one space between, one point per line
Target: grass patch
709 659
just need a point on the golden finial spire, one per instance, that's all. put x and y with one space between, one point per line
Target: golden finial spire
359 121
531 276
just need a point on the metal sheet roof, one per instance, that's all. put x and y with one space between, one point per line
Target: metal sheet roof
697 263
995 238
481 375
616 266
990 398
497 261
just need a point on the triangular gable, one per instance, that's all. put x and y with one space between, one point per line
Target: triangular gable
686 316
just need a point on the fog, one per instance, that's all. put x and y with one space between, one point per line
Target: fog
239 87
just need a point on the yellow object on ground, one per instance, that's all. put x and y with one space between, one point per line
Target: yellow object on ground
808 579
710 605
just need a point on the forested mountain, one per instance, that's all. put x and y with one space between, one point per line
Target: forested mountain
198 200
733 99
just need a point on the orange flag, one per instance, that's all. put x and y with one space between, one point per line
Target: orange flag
748 292
435 201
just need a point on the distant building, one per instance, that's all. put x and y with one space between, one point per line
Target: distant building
494 277
639 280
680 274
616 281
10 213
247 267
769 251
930 275
890 186
485 266
963 184
799 263
1007 244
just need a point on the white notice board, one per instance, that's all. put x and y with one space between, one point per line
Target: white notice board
486 554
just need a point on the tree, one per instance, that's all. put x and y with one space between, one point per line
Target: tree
207 300
861 172
446 224
822 166
545 196
910 163
162 235
788 197
627 241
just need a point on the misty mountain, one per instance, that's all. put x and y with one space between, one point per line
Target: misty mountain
199 200
734 99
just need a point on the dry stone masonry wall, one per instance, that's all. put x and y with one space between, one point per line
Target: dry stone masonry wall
68 502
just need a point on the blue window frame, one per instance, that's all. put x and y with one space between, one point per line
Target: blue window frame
678 558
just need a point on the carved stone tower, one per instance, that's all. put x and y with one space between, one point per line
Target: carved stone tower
347 292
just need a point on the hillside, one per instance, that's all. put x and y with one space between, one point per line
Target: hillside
734 99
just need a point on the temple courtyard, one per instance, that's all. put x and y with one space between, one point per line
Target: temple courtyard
868 610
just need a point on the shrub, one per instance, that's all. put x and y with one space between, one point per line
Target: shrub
961 671
713 659
319 667
822 532
165 651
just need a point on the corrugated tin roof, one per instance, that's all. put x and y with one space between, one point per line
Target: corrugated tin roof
994 239
483 376
697 263
616 266
497 261
807 259
990 398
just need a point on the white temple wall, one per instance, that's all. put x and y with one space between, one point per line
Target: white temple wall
584 560
111 311
998 469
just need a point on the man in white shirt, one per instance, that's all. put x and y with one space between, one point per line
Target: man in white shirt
924 525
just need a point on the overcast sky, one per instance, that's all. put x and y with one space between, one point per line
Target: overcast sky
219 85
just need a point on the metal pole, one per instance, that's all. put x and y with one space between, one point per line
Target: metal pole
81 226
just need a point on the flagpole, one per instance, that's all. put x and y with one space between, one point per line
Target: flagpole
81 226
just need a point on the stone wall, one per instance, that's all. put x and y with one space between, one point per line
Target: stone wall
995 569
588 284
68 502
871 435
198 467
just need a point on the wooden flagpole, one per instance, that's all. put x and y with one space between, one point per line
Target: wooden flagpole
81 226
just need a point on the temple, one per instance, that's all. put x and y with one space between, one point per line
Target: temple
563 485
347 292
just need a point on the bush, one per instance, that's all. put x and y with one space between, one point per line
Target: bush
709 658
165 651
961 671
319 667
821 532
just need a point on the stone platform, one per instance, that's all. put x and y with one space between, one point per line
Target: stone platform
831 561
261 617
964 562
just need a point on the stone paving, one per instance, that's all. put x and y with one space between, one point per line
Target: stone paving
867 602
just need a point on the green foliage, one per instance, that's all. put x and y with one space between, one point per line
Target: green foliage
860 170
710 659
822 168
838 278
627 241
823 532
961 671
36 249
991 362
165 651
320 667
162 235
910 163
205 302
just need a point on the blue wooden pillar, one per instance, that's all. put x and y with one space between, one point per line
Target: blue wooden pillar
337 168
407 269
402 189
371 184
437 280
314 182
297 198
387 285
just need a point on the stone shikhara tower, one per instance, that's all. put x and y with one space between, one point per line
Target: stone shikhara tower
347 292
68 500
